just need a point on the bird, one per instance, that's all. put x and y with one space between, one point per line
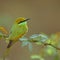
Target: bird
19 29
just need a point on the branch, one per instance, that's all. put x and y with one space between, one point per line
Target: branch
45 44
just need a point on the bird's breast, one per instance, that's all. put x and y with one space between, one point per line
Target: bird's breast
18 32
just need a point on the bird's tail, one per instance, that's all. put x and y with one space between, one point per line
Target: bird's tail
10 44
6 53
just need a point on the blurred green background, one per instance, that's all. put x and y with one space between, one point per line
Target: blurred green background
45 17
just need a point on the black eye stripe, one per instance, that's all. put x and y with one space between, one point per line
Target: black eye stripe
23 21
20 22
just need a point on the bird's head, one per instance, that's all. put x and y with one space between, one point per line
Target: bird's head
21 20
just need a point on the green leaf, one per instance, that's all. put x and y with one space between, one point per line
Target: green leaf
48 41
53 38
37 57
38 43
35 37
39 37
44 37
30 46
50 50
26 42
23 39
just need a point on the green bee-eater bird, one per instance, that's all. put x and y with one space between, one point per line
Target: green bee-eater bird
17 31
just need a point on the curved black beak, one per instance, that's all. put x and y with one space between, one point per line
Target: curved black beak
26 19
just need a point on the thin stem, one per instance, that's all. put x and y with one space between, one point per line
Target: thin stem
45 44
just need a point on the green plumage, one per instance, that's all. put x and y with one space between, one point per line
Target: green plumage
18 29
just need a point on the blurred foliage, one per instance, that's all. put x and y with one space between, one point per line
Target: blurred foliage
1 35
50 44
37 57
